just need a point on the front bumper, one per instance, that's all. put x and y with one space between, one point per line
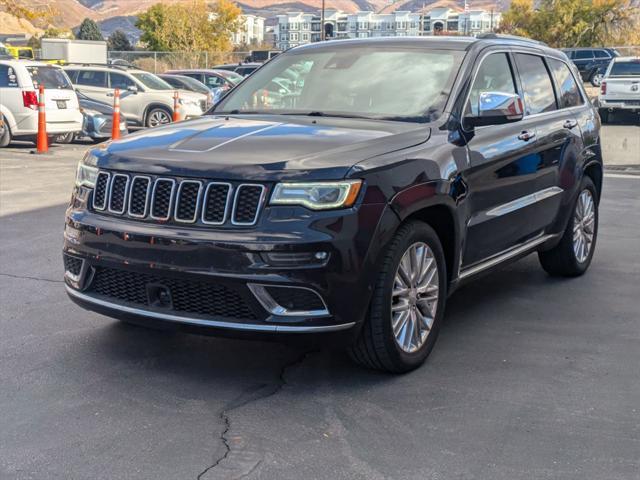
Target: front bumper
188 260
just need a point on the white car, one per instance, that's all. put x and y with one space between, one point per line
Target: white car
19 82
620 88
145 99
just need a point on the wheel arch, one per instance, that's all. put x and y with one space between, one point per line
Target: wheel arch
593 170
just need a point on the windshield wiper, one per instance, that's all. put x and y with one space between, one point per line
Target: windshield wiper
317 113
242 112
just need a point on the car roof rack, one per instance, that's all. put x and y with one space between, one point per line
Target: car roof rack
500 36
104 65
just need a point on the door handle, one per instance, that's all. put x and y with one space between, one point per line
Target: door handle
526 135
109 94
569 124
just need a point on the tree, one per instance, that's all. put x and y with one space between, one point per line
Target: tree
572 23
89 30
119 41
191 26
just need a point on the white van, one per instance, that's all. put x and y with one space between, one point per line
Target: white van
19 83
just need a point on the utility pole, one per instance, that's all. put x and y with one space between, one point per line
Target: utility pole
322 23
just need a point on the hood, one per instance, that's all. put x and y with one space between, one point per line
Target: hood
254 147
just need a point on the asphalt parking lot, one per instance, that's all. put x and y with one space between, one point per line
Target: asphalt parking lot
532 377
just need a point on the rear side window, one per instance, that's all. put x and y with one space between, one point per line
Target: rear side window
50 77
118 80
73 75
601 54
92 78
8 77
568 90
536 84
583 55
494 75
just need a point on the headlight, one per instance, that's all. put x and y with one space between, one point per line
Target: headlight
87 171
193 103
317 195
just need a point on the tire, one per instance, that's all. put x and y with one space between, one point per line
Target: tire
604 115
377 347
596 79
566 259
154 115
5 139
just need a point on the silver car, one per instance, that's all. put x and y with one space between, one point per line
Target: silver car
145 99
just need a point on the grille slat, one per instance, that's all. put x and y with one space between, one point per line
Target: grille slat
178 200
162 198
118 193
188 296
247 204
100 192
216 203
139 196
188 201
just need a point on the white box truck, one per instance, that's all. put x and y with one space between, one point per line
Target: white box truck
73 51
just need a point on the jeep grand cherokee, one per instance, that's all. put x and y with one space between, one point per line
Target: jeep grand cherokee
344 190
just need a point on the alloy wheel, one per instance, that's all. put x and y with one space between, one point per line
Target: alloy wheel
597 79
414 300
583 226
158 117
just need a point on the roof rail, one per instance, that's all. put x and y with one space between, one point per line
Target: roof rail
500 36
104 65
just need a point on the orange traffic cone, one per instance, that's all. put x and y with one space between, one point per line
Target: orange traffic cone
42 143
176 103
115 126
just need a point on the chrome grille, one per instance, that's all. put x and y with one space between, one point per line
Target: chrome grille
185 201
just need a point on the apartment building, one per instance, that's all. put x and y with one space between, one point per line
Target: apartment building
297 28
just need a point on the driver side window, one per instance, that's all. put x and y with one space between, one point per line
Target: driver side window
494 75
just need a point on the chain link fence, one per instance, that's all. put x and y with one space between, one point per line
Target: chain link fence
158 62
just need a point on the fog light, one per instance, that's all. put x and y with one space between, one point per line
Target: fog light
321 255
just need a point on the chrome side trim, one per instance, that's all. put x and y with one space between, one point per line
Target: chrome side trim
525 201
153 196
226 205
504 256
106 192
270 305
126 193
177 202
146 196
210 323
235 203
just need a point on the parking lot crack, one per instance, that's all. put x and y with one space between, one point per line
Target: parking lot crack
27 277
251 395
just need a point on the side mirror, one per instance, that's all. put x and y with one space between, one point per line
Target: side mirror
132 89
496 108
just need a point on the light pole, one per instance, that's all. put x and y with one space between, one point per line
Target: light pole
322 23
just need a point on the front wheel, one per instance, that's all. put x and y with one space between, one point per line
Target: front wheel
158 116
408 302
572 256
5 135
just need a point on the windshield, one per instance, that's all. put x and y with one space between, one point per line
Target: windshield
152 81
625 69
408 84
50 77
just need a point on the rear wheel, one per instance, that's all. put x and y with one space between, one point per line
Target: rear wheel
596 79
158 116
572 256
64 138
5 135
407 304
